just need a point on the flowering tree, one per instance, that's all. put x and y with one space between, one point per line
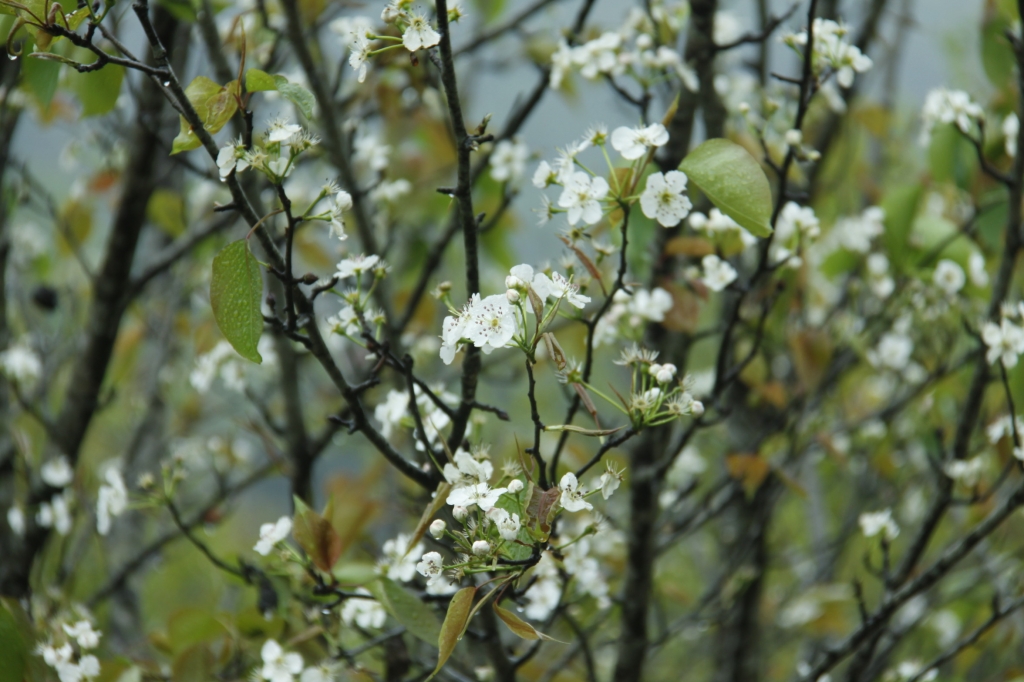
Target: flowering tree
755 420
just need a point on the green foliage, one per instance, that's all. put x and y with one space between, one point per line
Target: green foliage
734 182
316 536
418 618
900 204
455 622
297 95
257 81
166 208
520 627
215 106
236 289
15 647
41 77
97 90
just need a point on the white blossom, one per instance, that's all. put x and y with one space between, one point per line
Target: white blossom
111 501
437 528
873 523
609 482
718 274
366 613
481 548
281 130
57 472
855 233
1005 342
949 277
515 485
492 323
507 524
355 266
83 633
56 513
966 472
431 567
16 520
480 494
273 533
279 666
419 34
573 494
664 198
467 470
341 202
1011 130
508 160
582 197
21 364
399 560
633 143
948 106
893 351
976 269
231 158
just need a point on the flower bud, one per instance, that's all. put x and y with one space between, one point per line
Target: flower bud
460 513
794 137
515 485
437 528
512 295
697 408
481 548
513 282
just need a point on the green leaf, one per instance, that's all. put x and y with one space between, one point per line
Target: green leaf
259 81
317 537
454 625
299 96
900 205
235 292
519 626
586 432
166 209
98 90
418 618
215 106
14 646
41 77
734 182
996 55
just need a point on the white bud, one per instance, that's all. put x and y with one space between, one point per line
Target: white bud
481 548
460 513
513 282
515 485
794 137
512 295
437 528
697 408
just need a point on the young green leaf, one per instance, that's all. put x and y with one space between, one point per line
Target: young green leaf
734 182
299 96
418 618
236 288
14 646
317 537
519 626
454 625
215 106
259 81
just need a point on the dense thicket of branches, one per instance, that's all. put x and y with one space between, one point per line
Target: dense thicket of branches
742 408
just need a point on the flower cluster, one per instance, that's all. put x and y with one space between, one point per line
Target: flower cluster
67 650
1005 340
630 311
500 320
657 397
21 364
949 106
831 52
274 155
358 36
632 51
